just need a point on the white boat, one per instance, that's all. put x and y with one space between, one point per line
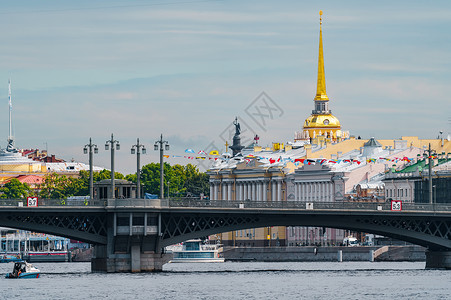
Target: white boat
22 269
195 251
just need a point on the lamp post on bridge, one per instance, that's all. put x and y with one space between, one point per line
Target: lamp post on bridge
159 145
138 148
430 153
90 146
113 143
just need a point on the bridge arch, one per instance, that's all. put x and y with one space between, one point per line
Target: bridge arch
433 234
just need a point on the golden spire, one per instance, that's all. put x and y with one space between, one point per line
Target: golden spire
321 83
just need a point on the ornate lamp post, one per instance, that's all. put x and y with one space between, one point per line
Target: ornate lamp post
137 148
90 146
113 143
159 145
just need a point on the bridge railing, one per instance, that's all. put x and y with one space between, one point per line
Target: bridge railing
52 202
244 204
194 202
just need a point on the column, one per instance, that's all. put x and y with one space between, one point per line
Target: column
273 191
257 191
304 192
327 191
241 191
229 191
301 191
265 191
318 191
223 191
321 192
296 190
260 191
279 190
212 190
254 191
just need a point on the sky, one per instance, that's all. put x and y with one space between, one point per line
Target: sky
186 69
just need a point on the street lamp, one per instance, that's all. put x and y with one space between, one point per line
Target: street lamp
113 143
429 153
159 144
137 148
91 180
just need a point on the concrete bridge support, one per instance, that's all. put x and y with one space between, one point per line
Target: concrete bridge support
136 261
438 260
132 245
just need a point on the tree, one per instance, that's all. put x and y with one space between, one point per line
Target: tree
54 186
196 182
14 189
181 180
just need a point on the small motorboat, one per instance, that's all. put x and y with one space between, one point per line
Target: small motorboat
22 269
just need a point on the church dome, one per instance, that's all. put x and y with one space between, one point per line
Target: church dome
322 121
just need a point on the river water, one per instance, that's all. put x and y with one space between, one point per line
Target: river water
235 280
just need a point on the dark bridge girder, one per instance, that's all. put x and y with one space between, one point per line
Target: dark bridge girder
83 226
434 234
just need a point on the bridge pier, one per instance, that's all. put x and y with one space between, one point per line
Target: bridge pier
130 247
135 261
438 260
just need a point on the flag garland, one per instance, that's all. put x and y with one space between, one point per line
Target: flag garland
214 155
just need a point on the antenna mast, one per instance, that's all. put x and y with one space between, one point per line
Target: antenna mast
10 147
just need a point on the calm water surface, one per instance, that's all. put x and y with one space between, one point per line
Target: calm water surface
236 280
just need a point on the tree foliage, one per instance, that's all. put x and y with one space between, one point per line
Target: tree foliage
181 180
14 189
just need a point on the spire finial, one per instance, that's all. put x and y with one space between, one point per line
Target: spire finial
321 83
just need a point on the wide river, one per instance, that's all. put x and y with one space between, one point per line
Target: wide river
235 280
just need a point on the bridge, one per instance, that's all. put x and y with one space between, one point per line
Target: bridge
130 234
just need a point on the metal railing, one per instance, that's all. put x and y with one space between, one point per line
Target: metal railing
306 205
244 204
53 202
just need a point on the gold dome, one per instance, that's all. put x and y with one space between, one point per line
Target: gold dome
322 121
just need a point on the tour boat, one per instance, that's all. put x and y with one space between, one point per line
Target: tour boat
195 251
22 269
4 258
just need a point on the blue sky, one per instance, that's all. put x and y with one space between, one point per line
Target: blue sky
187 68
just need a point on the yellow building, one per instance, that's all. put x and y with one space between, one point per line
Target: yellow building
13 164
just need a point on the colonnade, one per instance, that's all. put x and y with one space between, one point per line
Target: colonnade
311 191
254 190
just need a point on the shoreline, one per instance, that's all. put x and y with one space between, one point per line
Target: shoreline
336 253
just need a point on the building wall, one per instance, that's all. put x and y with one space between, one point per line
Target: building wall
441 190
